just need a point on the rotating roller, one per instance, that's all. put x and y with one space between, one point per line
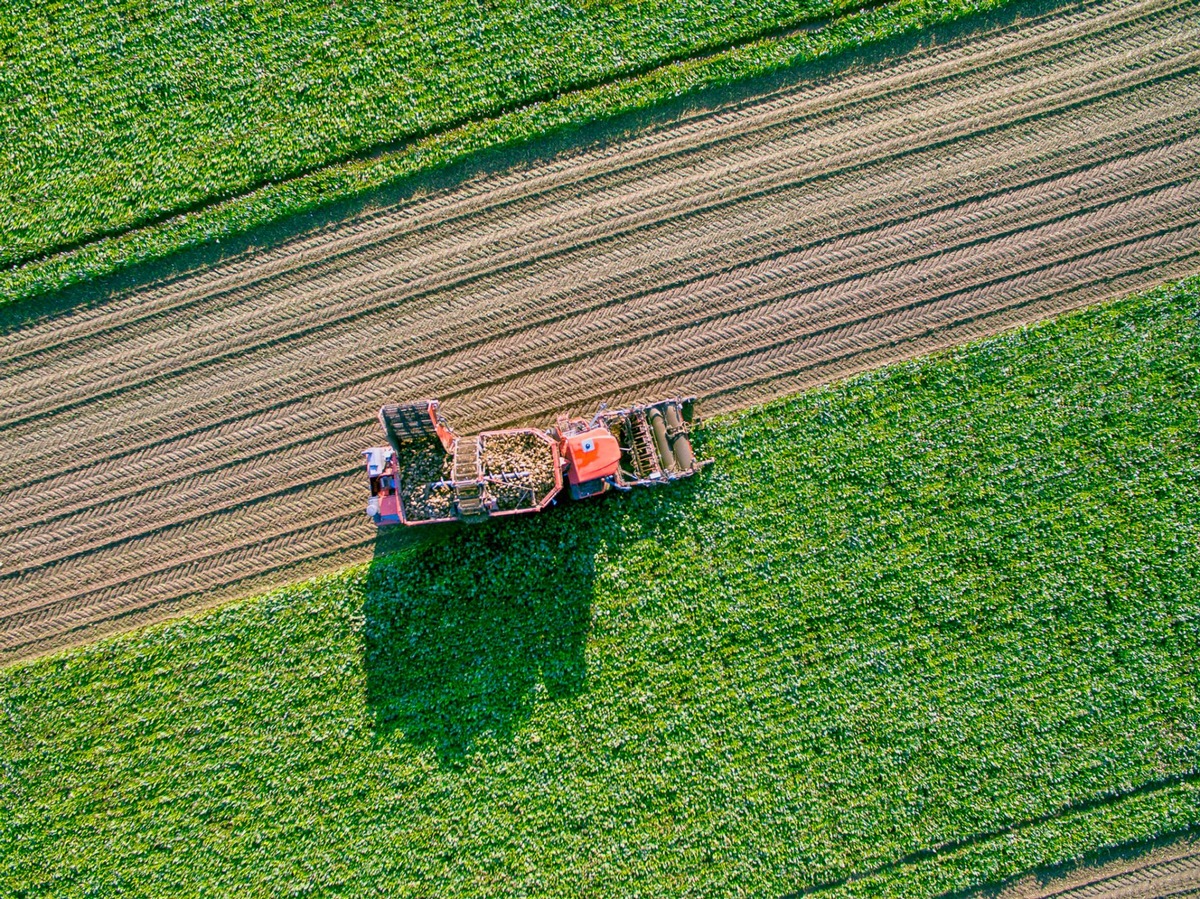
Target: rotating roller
674 418
683 452
659 426
680 445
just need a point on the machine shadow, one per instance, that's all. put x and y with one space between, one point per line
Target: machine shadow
464 635
466 631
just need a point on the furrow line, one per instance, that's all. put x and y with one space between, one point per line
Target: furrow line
725 383
39 432
184 544
782 325
166 584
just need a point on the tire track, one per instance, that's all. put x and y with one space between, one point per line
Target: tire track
1179 877
205 430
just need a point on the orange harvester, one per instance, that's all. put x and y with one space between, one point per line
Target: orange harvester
428 473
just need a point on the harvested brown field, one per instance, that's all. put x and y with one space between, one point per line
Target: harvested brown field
198 438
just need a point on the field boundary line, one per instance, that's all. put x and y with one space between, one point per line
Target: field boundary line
270 203
772 32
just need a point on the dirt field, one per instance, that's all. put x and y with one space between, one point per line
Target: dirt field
197 439
1160 871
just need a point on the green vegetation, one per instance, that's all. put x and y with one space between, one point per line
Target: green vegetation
922 629
135 131
126 112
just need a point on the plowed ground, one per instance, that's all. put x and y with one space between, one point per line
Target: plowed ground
199 438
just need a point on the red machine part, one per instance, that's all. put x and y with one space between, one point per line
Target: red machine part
427 474
593 454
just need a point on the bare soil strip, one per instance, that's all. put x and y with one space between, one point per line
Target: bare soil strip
197 439
1166 871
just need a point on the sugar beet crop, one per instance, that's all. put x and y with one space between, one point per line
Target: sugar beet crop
913 632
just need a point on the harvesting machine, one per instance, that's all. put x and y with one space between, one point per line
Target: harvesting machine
428 473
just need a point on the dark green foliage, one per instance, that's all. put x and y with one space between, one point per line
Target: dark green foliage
913 632
457 649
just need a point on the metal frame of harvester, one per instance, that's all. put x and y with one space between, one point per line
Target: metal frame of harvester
429 474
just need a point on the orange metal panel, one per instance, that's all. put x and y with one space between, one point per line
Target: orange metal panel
592 454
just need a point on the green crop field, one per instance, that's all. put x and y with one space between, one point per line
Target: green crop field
134 130
913 632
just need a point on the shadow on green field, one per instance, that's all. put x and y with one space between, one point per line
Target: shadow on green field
462 634
466 630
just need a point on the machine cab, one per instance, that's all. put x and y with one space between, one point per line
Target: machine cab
593 457
383 506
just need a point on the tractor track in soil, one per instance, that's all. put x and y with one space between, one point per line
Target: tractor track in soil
201 434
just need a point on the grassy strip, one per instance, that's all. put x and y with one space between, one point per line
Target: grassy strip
908 611
31 224
122 115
